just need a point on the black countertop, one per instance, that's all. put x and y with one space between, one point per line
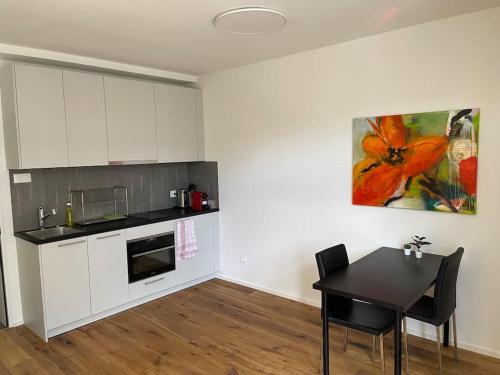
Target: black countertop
129 222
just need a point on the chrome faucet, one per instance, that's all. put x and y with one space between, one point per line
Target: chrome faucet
42 216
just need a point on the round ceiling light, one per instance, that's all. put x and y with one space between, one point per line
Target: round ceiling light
250 20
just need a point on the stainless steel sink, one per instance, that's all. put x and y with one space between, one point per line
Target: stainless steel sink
43 234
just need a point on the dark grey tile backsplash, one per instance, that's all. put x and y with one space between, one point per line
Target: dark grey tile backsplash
205 176
148 187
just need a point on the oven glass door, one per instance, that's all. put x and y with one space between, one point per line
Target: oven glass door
151 257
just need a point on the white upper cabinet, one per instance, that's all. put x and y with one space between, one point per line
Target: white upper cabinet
200 126
85 118
176 121
130 115
41 124
60 118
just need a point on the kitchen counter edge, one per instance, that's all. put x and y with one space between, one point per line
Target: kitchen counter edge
129 222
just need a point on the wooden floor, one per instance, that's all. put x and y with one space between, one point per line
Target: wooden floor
214 328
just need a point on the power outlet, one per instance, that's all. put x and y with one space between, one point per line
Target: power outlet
243 259
173 193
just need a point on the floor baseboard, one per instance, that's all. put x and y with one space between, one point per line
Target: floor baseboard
268 290
16 323
423 333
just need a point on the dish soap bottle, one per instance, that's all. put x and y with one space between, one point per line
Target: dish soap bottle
68 213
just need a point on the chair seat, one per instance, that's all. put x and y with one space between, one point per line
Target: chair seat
423 310
361 316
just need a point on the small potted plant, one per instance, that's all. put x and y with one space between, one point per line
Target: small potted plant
407 249
419 242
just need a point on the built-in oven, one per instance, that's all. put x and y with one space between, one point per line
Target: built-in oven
150 256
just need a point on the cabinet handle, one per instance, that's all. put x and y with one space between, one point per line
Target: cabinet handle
109 236
154 281
70 243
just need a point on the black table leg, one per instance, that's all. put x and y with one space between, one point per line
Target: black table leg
397 343
326 348
446 339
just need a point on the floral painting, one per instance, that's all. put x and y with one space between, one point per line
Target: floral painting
424 161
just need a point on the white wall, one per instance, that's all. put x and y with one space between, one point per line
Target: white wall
9 251
281 131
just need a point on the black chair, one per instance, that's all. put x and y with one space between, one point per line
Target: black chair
437 310
350 313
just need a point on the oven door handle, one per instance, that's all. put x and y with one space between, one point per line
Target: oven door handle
153 251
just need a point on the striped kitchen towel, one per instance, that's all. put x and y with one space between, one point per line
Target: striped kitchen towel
187 245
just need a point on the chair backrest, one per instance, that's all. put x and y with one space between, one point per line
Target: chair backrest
445 290
331 260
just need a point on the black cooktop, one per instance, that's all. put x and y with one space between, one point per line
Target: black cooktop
149 215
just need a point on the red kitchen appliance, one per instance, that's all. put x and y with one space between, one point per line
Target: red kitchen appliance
197 201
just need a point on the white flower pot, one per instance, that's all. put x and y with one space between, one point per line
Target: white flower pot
419 254
407 252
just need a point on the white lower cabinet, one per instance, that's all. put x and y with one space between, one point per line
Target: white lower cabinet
205 260
152 285
108 270
65 277
69 283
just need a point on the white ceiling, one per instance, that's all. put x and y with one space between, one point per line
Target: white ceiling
178 35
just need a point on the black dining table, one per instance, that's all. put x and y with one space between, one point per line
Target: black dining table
386 278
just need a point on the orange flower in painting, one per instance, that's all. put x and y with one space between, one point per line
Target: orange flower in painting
390 160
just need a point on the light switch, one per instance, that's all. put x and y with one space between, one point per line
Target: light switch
22 178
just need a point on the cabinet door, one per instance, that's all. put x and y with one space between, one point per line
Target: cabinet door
41 120
65 275
85 118
152 285
200 127
130 115
108 270
176 123
203 263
